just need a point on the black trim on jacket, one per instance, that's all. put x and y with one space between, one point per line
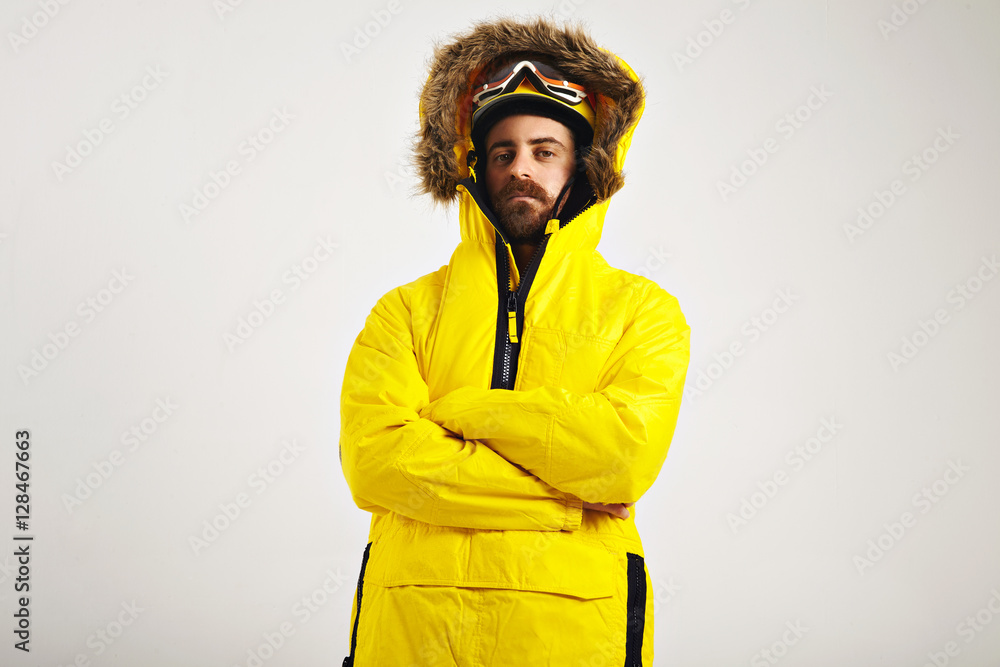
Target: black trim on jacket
349 660
635 621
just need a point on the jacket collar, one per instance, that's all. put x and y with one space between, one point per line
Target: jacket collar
579 229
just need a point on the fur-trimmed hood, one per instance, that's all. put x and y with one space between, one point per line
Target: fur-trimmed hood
442 143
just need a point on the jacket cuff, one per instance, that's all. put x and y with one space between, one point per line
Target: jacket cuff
574 514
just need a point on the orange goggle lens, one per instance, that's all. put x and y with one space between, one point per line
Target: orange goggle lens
567 92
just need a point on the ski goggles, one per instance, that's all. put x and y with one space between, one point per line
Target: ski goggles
543 78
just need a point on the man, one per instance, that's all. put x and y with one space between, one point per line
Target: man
500 415
528 160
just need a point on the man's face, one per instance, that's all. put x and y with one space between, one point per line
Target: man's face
528 161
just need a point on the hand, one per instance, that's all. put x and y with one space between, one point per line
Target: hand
619 510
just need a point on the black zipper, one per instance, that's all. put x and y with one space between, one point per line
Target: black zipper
510 315
635 620
510 321
510 306
349 660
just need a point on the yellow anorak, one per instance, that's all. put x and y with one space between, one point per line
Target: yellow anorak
480 408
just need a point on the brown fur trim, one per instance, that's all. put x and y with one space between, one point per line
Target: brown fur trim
569 48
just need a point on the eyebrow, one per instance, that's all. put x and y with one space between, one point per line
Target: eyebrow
507 143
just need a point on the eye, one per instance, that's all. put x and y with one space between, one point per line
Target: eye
546 153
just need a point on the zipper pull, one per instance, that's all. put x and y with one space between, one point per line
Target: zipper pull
511 316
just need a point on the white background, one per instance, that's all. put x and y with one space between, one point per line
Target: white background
727 587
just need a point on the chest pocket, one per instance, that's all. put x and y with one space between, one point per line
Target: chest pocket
557 358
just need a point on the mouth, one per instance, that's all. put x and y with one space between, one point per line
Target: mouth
519 197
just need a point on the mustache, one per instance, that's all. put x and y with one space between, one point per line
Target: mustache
515 188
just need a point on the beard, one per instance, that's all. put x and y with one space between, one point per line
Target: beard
524 221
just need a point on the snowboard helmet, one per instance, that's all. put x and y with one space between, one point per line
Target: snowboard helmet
523 83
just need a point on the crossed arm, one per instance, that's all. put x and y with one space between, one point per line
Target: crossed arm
496 459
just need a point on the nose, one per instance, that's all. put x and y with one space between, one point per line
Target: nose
521 165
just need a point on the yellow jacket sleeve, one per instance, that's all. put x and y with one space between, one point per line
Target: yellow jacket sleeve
394 460
607 446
